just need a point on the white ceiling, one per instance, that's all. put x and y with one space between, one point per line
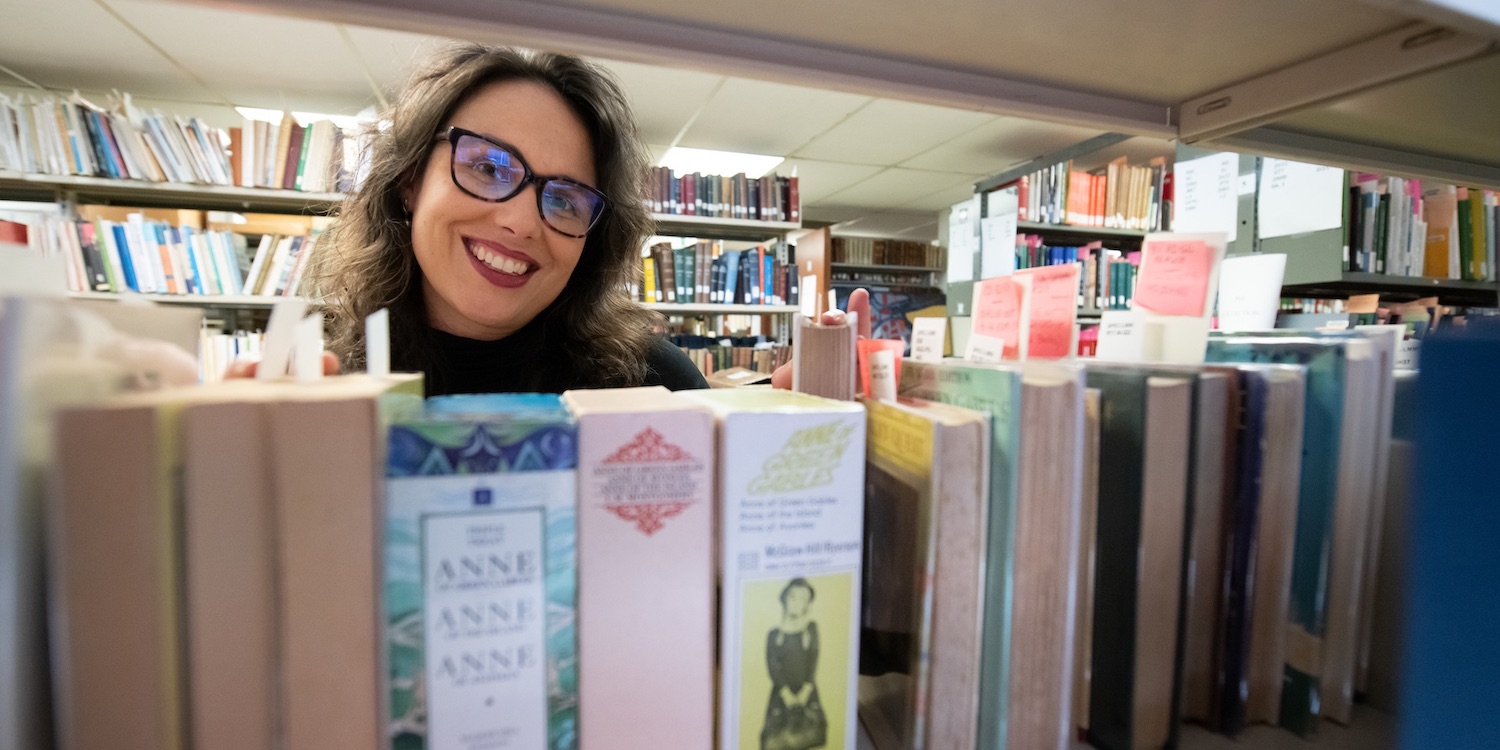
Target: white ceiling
871 156
882 165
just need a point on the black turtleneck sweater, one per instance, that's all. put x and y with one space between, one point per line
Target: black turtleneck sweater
528 362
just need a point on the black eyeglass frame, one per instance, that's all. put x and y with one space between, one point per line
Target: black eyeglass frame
451 134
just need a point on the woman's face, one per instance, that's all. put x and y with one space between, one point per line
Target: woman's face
797 600
490 268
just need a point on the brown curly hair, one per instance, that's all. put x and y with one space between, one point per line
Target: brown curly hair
366 260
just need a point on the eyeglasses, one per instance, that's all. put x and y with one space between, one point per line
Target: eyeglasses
494 171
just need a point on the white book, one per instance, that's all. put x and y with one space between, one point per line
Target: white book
791 504
149 276
261 258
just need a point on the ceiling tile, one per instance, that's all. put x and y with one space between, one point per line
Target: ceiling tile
998 145
390 55
817 180
943 199
888 132
663 99
68 44
257 60
761 117
899 224
898 188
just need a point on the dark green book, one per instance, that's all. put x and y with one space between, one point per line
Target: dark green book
1145 433
1465 240
1382 231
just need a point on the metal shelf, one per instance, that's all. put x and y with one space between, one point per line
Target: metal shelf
234 301
720 309
1448 291
721 228
162 194
874 267
1077 231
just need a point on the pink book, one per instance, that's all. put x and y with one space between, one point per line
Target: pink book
645 569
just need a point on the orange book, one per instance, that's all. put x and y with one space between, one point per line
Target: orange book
1441 212
1078 198
236 154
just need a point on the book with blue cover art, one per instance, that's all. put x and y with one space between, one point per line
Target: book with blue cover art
480 578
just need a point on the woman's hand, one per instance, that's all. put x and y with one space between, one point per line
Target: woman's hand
859 303
245 367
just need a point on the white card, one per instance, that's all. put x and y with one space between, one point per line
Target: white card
280 336
307 355
1207 199
928 336
883 375
998 254
1406 354
1122 336
1250 292
985 348
809 297
1296 198
378 343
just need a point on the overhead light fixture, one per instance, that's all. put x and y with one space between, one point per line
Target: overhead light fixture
303 118
706 161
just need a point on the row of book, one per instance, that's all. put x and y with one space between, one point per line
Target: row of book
142 255
1106 278
713 354
1396 227
1120 196
706 273
73 136
318 157
768 198
527 542
872 252
217 350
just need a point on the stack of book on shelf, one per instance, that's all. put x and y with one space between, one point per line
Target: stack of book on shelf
1398 227
1106 277
706 273
768 198
143 255
317 157
73 136
279 267
872 252
217 350
1120 196
712 354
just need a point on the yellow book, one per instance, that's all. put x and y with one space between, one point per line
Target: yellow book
649 284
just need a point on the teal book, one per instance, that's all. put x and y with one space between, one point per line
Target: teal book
1326 364
481 576
995 391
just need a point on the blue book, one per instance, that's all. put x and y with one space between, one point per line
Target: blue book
481 575
1333 492
732 276
123 244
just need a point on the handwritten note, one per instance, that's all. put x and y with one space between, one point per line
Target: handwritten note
998 254
928 337
963 239
1406 354
997 314
1122 337
883 375
1052 307
1250 291
866 351
1296 198
809 297
1207 195
1174 277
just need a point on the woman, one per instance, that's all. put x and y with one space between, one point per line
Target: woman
794 714
501 221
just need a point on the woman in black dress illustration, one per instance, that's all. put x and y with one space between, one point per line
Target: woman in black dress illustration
794 714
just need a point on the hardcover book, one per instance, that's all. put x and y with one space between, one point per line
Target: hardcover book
790 500
480 578
645 569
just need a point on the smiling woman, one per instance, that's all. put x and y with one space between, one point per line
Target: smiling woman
500 222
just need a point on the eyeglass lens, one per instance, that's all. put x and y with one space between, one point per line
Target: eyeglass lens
493 173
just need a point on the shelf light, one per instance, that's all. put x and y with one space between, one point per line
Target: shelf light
706 161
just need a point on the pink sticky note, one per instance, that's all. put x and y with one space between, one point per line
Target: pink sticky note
1053 306
997 311
1174 277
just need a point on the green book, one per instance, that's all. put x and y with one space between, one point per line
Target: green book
307 136
1382 231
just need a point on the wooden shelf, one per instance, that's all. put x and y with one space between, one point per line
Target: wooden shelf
1031 227
873 267
720 309
235 301
163 194
720 228
1448 291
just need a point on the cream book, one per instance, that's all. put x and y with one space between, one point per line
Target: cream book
790 498
645 569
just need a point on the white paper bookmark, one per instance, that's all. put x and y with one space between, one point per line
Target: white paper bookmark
307 357
378 343
928 336
281 331
883 375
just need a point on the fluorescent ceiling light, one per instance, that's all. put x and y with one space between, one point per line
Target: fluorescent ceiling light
302 118
706 161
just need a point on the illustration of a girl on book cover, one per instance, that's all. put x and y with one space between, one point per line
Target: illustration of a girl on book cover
794 715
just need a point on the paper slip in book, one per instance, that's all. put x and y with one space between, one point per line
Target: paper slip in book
646 595
480 576
790 495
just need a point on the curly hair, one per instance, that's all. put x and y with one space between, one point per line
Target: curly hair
366 261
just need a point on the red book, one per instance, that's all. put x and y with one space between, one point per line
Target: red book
794 200
293 157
